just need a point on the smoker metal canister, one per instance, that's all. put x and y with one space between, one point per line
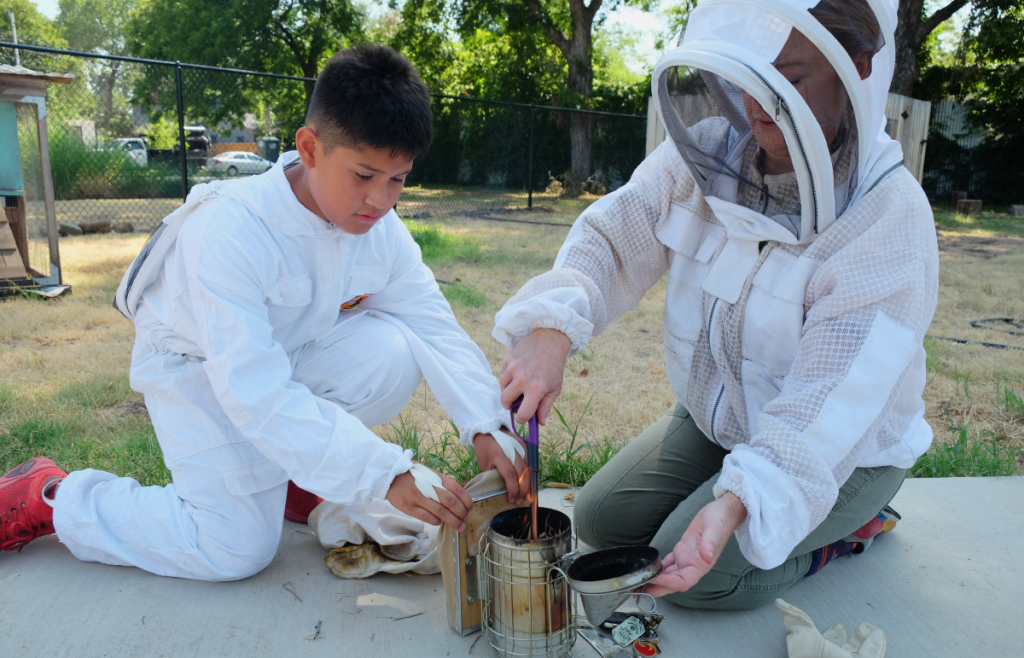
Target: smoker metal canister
527 608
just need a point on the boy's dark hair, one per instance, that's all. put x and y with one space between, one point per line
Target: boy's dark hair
371 97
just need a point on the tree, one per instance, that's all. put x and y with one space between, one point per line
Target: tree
912 30
568 25
989 80
99 26
574 38
275 36
33 28
68 101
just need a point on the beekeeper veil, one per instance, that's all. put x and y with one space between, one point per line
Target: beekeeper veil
777 108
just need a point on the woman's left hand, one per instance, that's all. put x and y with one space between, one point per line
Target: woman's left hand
700 547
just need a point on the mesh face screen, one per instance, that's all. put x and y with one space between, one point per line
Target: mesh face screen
734 145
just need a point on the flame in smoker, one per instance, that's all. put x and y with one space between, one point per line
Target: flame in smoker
525 485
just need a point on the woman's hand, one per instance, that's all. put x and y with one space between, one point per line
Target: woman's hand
452 509
490 455
533 369
700 547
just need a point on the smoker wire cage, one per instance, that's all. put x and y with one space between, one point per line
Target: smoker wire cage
29 254
527 604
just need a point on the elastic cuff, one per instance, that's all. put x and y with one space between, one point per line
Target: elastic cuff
574 336
487 427
401 465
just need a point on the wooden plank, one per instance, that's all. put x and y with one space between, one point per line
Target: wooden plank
18 86
16 216
248 147
910 131
10 262
48 196
655 128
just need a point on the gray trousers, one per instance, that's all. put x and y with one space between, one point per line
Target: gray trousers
651 490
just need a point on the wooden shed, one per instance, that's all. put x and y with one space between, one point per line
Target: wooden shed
907 121
29 252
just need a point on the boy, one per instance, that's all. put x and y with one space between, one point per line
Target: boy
251 373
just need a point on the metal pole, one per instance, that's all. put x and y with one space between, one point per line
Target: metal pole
529 180
632 139
181 132
14 38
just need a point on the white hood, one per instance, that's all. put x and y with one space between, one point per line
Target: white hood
737 41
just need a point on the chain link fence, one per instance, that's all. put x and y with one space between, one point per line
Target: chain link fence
129 137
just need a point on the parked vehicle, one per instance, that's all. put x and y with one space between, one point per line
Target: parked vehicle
234 163
132 149
197 142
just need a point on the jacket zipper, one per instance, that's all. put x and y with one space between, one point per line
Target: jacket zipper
885 174
721 390
779 105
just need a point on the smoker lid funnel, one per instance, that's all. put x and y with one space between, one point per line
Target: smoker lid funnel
606 579
614 569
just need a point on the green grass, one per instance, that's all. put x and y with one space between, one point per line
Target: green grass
982 457
995 219
461 294
1012 404
439 246
126 447
562 459
934 355
446 455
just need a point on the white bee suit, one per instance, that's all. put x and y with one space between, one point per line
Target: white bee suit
793 322
252 377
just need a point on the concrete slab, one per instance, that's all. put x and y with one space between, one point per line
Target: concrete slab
947 582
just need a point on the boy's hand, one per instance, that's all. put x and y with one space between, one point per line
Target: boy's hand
452 509
490 455
533 369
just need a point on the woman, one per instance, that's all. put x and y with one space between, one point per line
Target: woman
803 274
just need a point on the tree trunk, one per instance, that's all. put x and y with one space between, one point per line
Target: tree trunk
581 126
107 85
309 70
578 52
911 31
908 44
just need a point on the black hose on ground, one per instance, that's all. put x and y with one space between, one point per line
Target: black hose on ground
995 324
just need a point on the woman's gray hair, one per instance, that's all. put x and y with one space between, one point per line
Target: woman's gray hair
853 23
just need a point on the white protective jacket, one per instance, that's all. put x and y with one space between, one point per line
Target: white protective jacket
243 274
800 354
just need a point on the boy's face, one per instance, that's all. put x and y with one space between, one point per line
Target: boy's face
350 188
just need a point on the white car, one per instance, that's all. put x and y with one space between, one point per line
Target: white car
134 149
234 163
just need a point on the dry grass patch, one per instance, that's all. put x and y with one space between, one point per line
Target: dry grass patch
65 392
973 387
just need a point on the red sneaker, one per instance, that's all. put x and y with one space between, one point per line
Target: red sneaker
24 515
299 503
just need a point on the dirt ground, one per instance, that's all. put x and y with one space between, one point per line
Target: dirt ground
957 244
620 379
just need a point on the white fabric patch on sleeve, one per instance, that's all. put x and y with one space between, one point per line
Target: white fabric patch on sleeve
856 403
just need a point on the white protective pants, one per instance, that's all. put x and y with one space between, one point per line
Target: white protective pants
196 527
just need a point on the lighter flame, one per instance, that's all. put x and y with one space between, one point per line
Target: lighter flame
524 484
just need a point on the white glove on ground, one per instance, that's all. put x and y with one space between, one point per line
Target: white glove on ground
374 537
804 640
